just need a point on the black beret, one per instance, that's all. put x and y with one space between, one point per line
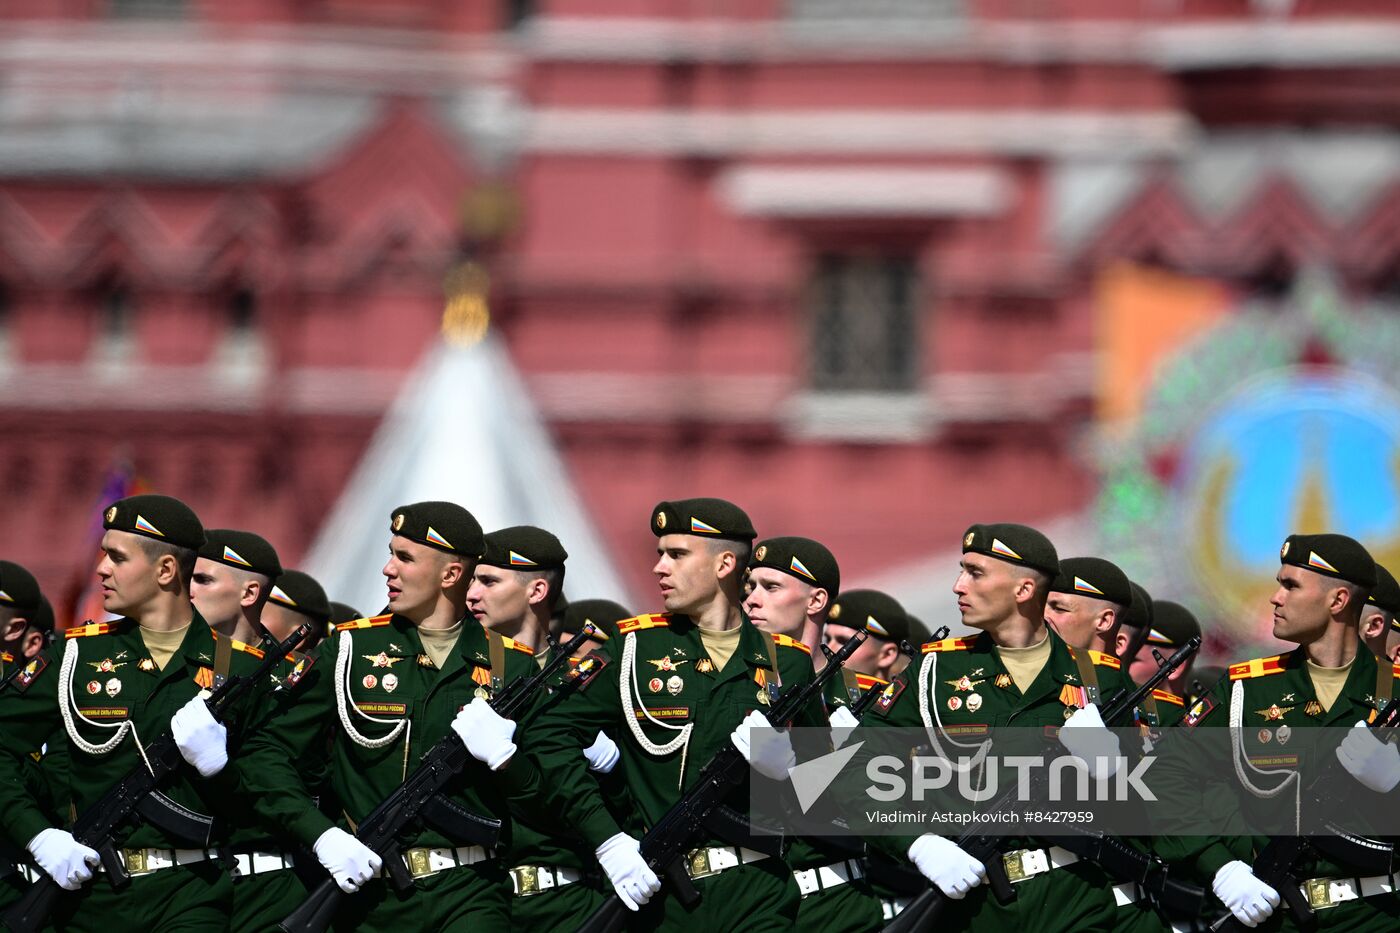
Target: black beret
1016 544
241 549
919 633
43 616
1093 577
1173 625
18 589
524 547
344 612
159 517
711 518
1331 555
300 592
1385 596
603 613
870 610
1139 614
803 558
442 525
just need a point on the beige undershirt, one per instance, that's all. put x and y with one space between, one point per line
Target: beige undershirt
1024 664
720 644
1328 681
163 645
439 642
543 658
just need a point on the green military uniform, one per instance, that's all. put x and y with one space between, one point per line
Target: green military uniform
1270 697
376 695
554 875
108 696
671 708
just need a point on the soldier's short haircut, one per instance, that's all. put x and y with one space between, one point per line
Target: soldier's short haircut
184 557
742 551
554 576
1356 597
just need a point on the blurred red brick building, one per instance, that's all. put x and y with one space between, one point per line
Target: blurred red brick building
832 259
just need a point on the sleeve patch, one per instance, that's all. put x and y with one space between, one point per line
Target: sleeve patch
583 670
31 672
1199 711
301 663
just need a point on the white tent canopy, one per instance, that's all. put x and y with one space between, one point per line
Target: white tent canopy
463 429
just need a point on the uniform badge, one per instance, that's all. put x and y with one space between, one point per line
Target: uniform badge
106 665
481 693
674 685
963 683
954 703
395 648
763 697
390 682
1274 712
111 515
1003 681
760 552
1265 736
888 695
94 687
31 671
1314 708
146 664
1198 711
380 660
974 702
1283 734
655 685
113 687
370 681
665 664
425 661
1070 711
397 523
705 666
298 670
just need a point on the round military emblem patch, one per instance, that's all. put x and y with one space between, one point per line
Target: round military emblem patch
398 522
94 686
660 519
111 515
370 681
761 553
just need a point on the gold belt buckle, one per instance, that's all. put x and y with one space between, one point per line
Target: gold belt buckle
1015 866
527 880
417 862
137 861
697 864
1319 893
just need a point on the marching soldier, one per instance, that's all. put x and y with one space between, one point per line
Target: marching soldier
1330 679
794 582
515 583
380 693
22 632
120 685
1015 672
232 581
1380 618
677 686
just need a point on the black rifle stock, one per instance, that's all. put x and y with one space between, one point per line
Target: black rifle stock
1274 863
420 799
924 909
137 794
665 844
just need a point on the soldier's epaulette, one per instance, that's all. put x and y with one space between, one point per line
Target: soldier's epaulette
1166 696
638 623
374 622
949 644
1105 660
866 681
92 628
1395 670
1259 667
514 645
785 641
239 646
6 657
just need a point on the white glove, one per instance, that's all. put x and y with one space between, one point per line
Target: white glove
202 739
774 757
631 877
602 755
943 862
350 862
485 733
1369 760
1249 899
1087 739
66 860
843 721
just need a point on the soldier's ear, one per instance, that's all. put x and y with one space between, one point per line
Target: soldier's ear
252 592
1105 620
818 601
167 569
453 572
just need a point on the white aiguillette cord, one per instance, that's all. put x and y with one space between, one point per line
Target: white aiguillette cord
627 684
343 705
